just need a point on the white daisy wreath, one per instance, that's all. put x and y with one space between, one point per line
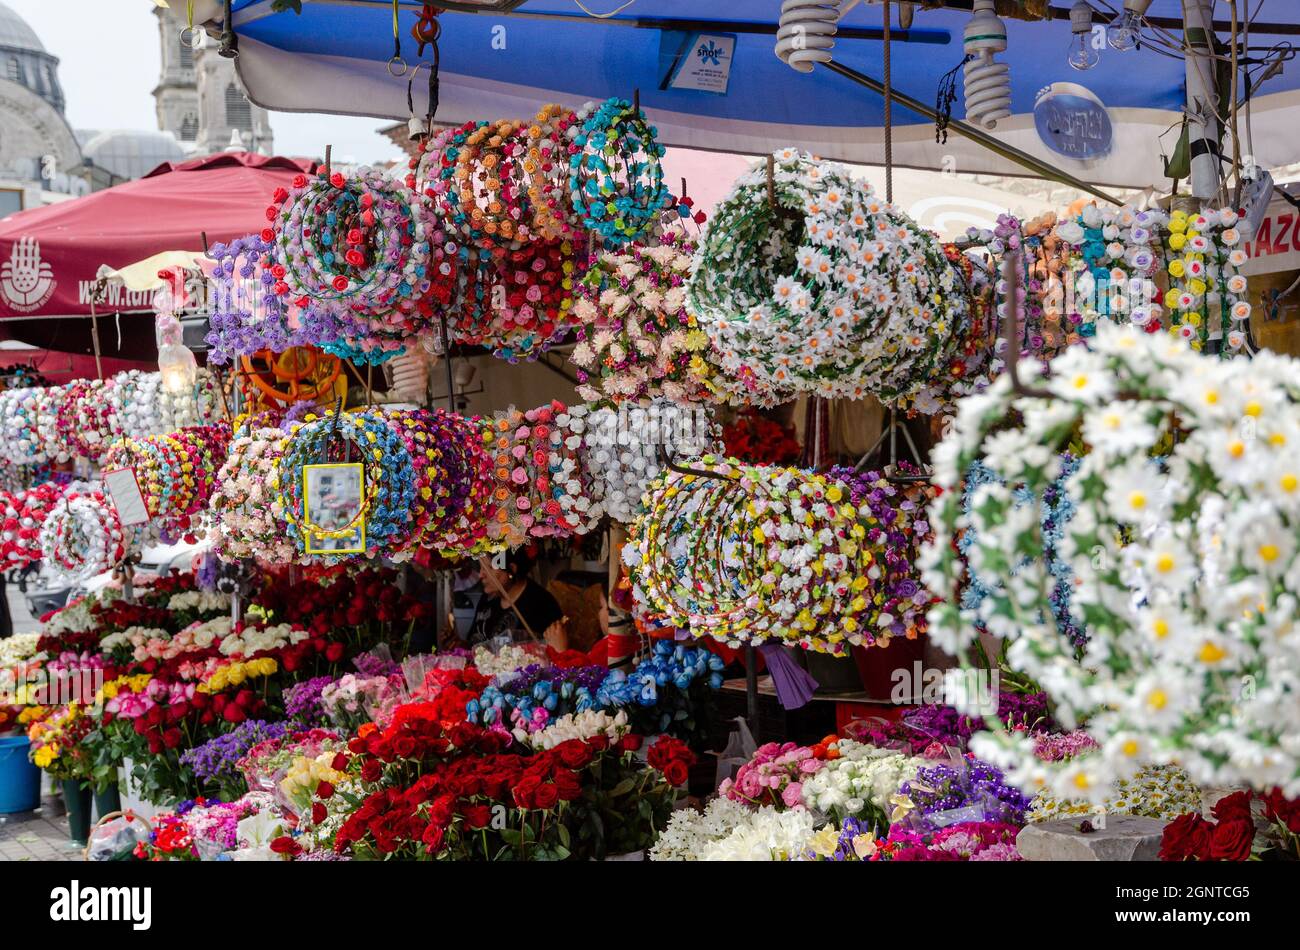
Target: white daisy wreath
1185 557
814 284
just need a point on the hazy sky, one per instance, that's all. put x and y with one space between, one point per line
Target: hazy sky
108 63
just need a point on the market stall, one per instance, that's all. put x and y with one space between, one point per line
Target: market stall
1070 546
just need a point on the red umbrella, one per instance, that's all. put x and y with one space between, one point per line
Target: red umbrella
49 256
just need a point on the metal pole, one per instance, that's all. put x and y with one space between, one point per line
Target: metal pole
976 135
751 691
1202 98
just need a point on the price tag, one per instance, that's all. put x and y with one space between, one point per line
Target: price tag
122 487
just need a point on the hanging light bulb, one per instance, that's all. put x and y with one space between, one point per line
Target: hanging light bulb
1125 30
987 82
1082 55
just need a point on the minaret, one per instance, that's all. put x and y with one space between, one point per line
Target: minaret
224 109
176 96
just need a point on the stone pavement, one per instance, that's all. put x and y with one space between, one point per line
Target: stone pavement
40 835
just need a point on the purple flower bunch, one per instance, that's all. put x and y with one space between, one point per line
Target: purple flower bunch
1057 747
923 726
302 703
215 762
895 528
248 315
370 665
968 790
966 841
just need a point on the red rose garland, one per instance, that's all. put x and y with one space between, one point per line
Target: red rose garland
24 513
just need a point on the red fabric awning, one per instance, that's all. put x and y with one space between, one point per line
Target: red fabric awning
49 256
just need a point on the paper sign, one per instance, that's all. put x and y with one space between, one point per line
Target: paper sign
705 64
123 488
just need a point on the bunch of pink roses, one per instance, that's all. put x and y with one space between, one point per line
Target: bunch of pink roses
774 776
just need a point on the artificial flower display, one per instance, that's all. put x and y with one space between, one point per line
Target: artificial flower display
813 284
616 179
81 535
1183 559
755 554
636 339
1207 293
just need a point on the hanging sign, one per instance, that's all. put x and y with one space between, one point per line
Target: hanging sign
701 61
1073 122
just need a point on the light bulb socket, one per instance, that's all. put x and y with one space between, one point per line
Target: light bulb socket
1081 17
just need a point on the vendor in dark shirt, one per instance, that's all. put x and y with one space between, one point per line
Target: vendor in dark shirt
513 599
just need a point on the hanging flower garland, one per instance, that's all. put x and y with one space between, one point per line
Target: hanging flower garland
81 535
249 315
357 240
636 339
469 442
137 408
245 510
86 421
176 472
895 518
624 450
754 555
389 484
536 464
814 284
1185 562
527 304
191 407
1207 293
549 142
24 513
26 417
616 179
486 195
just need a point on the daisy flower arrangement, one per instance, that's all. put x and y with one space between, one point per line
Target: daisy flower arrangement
636 339
754 554
1185 562
244 511
814 284
1207 292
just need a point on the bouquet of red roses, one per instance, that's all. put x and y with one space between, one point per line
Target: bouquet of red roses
1246 825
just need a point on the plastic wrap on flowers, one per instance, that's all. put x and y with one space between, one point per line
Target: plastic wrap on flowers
176 472
28 417
81 535
389 490
247 313
636 338
20 532
86 421
535 462
624 449
754 554
616 179
245 513
827 289
1184 557
895 519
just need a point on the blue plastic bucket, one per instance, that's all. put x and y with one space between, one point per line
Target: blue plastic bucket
20 781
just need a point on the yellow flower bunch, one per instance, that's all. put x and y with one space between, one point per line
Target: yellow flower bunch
234 674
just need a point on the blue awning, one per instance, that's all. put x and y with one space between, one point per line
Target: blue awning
335 57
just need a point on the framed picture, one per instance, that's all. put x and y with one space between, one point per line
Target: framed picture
334 508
